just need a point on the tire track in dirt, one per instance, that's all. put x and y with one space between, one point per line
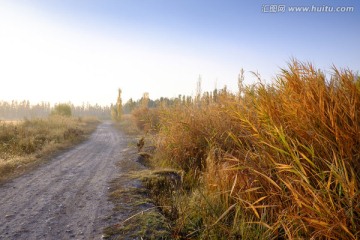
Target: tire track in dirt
67 197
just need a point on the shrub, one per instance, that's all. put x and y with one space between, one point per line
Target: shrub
62 110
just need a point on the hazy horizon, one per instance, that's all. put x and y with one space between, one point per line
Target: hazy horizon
83 51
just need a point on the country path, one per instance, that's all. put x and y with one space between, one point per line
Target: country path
66 198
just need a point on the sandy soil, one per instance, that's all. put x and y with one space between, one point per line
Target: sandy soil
66 198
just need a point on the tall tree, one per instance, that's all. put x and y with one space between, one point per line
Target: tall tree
198 90
145 100
119 106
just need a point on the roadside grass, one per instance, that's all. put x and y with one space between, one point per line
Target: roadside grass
271 161
135 215
143 219
24 144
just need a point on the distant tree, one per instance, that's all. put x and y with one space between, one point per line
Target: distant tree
129 106
198 91
116 111
215 95
62 109
113 112
144 102
119 106
241 79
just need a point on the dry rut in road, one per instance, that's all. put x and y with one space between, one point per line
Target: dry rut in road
67 197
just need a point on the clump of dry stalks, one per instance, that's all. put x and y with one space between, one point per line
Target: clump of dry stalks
272 161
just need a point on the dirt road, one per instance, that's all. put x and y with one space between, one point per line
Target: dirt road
67 197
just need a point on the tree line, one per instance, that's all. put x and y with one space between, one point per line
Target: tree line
16 110
205 98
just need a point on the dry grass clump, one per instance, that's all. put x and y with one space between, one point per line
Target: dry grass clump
146 119
24 143
279 160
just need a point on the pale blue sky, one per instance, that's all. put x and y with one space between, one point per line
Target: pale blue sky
83 50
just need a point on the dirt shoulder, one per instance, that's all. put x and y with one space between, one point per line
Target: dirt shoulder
136 215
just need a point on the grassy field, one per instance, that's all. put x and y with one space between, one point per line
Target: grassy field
23 144
271 161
